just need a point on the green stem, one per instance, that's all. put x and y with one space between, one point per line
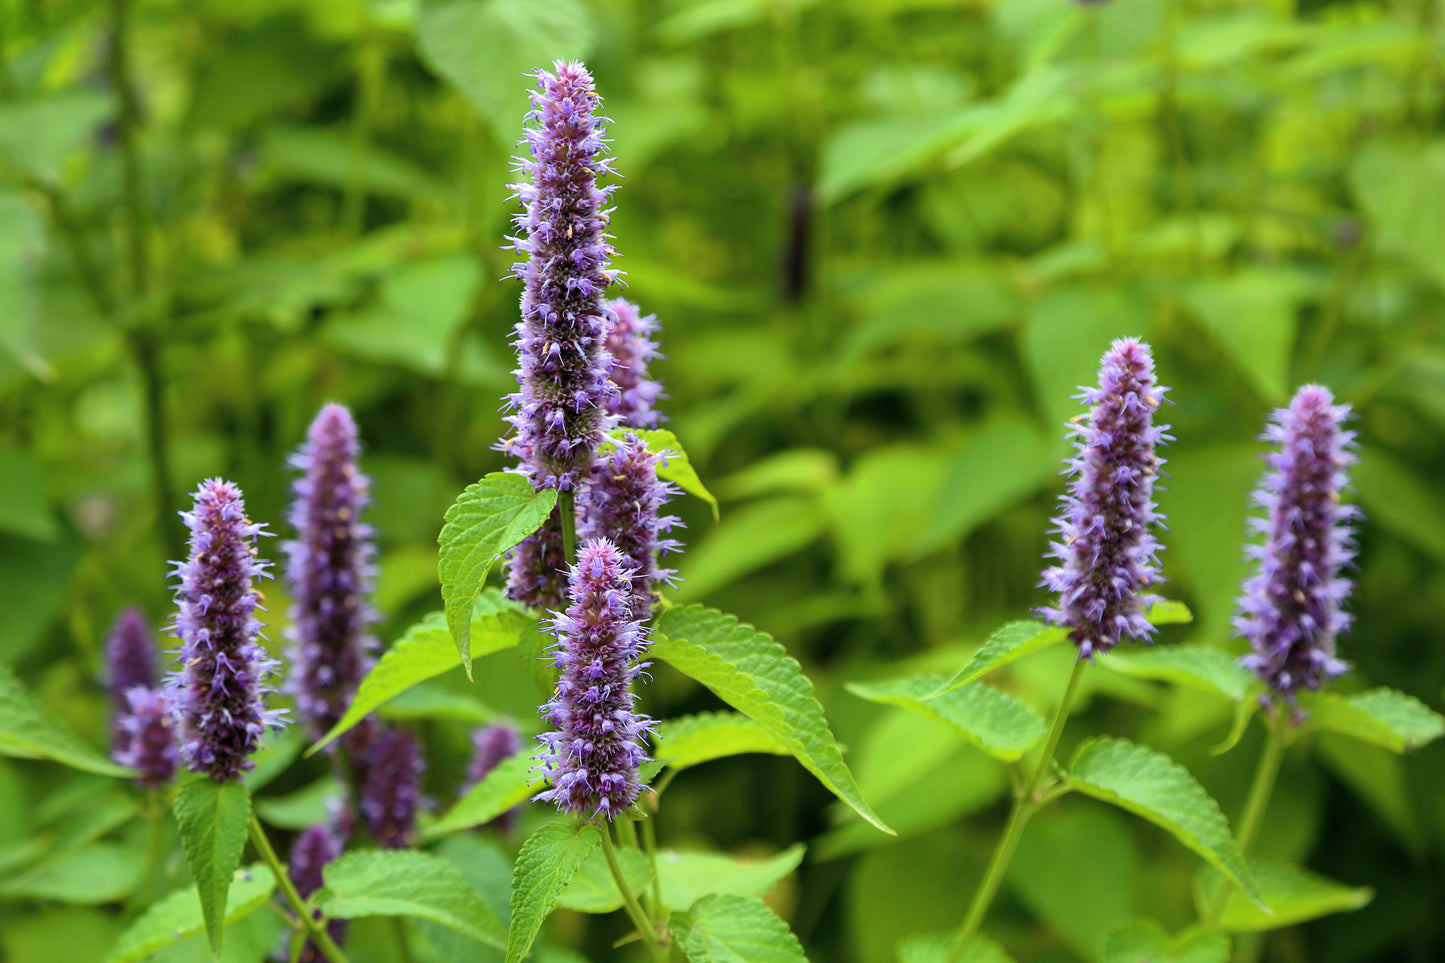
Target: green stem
1025 805
314 927
567 508
629 901
649 845
1258 801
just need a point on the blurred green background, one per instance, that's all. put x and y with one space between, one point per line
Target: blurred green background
886 240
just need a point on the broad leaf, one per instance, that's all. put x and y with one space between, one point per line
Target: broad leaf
675 468
488 518
723 928
179 915
687 877
1201 667
95 819
755 675
691 740
102 873
213 819
1293 895
1150 784
1146 940
308 805
546 864
998 724
279 748
509 784
1383 717
928 948
592 889
401 882
26 732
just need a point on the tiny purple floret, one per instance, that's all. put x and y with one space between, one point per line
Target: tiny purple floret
623 501
150 743
631 345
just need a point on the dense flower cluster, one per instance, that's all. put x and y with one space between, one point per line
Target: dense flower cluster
315 848
1290 610
490 745
391 792
593 756
131 660
329 572
629 342
150 736
219 687
622 501
1107 552
536 567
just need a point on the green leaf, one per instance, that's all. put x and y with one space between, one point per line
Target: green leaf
103 873
279 748
1150 784
1383 717
1292 893
26 732
307 805
434 702
592 889
1397 499
1169 612
509 784
179 915
1270 298
488 518
213 819
546 864
687 877
23 509
1145 941
695 739
755 675
998 724
723 928
1201 667
675 468
95 819
756 535
39 135
1402 191
399 882
934 948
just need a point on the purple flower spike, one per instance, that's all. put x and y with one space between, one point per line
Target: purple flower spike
592 759
629 342
391 794
150 737
1106 549
536 568
561 407
329 572
1290 610
623 501
491 745
131 659
219 686
313 850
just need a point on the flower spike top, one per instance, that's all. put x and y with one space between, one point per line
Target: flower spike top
329 571
623 500
593 756
219 685
629 342
490 746
131 659
1290 610
1107 553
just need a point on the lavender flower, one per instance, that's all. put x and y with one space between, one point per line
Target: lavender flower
131 660
1106 548
623 501
1290 609
391 794
535 567
629 342
592 759
315 848
219 687
150 737
490 746
329 572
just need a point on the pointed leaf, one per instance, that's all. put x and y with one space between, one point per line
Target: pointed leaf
507 785
998 724
213 819
1292 893
488 518
1383 717
687 877
1146 940
1150 784
592 889
695 739
546 864
400 882
755 675
1201 667
26 732
676 467
179 916
103 873
934 948
723 928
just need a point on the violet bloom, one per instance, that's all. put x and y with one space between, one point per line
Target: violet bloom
1108 553
391 794
329 572
629 342
490 746
1290 610
131 659
592 758
150 737
219 687
315 848
623 501
535 567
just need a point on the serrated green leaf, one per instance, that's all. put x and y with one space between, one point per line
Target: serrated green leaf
1382 717
998 724
592 889
687 877
103 873
1150 784
26 732
1292 893
695 739
509 784
1145 941
548 861
178 916
488 518
399 882
722 928
213 819
934 948
1201 667
755 675
676 467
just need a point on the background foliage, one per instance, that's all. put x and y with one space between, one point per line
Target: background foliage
886 238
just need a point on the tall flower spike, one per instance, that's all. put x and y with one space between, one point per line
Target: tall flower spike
1108 554
491 745
219 685
150 737
329 572
131 659
391 795
1290 609
622 501
536 568
314 849
593 756
629 342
